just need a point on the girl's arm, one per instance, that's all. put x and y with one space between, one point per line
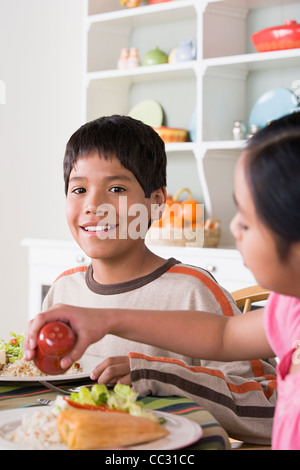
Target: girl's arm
192 333
196 334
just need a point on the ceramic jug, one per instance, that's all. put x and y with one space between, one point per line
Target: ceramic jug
186 51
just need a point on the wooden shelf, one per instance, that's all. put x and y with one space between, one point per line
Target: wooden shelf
144 15
224 145
257 61
146 73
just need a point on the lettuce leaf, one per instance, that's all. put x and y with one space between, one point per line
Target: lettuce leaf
14 347
122 397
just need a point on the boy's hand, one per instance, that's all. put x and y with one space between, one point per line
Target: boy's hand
83 321
112 370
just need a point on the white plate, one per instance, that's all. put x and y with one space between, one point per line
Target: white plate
149 112
273 104
183 432
87 363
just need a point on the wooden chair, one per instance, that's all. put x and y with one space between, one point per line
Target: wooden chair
245 297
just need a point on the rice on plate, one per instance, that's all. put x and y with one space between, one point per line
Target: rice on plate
39 429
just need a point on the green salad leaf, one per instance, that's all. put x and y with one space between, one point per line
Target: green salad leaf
122 397
14 347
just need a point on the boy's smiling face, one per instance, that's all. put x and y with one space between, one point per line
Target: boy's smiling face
100 194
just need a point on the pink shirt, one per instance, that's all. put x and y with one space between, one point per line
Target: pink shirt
282 325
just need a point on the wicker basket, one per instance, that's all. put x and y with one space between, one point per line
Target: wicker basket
212 234
206 236
210 237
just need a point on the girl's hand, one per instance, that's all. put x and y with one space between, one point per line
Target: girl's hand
112 370
84 322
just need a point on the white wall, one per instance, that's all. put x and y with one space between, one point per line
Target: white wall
41 64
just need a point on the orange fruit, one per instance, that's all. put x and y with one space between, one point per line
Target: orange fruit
191 211
157 223
172 222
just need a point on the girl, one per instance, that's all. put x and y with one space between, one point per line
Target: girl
267 232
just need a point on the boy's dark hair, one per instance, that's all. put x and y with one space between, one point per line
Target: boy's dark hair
273 172
137 146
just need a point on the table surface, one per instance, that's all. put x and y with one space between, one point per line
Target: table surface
23 395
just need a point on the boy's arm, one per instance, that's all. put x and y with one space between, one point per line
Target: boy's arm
241 395
192 333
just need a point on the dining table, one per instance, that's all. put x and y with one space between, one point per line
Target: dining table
25 395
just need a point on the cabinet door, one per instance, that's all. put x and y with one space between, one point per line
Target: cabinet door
46 263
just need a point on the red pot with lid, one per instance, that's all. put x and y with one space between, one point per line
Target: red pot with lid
278 38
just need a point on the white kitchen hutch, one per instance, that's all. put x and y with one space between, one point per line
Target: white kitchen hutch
220 86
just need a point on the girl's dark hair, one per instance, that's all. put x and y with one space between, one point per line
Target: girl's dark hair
137 146
273 169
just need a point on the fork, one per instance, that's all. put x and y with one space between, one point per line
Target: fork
43 401
60 390
56 389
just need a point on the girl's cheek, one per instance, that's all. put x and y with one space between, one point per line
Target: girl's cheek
234 228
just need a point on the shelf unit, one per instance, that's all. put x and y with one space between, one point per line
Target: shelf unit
221 85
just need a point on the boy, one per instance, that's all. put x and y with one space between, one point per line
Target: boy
112 165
